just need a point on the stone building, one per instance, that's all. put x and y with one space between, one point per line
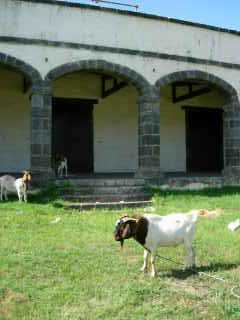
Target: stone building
116 92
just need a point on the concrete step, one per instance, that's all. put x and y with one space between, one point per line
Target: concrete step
210 181
108 205
100 190
107 197
99 182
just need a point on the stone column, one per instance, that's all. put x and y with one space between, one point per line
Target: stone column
149 138
41 135
231 137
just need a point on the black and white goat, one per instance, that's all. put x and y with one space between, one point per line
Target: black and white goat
153 231
11 184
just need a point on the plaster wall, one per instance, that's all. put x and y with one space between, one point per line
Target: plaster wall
14 123
92 26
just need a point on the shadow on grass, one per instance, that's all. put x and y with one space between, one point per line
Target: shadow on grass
50 193
185 273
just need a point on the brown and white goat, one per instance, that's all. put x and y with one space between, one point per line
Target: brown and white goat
153 231
11 184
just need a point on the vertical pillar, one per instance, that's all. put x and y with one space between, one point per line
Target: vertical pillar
149 138
231 137
41 136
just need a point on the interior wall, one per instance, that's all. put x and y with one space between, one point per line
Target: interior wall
173 128
116 133
14 123
115 121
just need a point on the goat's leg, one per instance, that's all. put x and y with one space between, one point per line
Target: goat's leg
1 196
145 261
59 171
153 271
190 258
25 195
66 168
19 195
24 192
5 194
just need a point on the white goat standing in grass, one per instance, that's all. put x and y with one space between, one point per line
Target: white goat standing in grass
11 184
153 231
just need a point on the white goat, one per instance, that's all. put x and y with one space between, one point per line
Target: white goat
11 184
153 231
63 165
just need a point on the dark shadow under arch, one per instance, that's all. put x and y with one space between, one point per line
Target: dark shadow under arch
142 85
197 74
18 65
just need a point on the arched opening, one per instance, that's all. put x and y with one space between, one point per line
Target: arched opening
95 117
16 79
192 121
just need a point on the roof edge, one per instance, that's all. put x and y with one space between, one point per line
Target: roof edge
132 13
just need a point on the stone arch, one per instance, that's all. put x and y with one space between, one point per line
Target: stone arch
231 118
146 105
31 73
142 85
197 74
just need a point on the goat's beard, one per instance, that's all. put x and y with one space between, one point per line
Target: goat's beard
121 242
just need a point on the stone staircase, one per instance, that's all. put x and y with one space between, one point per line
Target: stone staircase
85 193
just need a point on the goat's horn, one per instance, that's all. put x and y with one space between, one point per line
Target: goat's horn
126 219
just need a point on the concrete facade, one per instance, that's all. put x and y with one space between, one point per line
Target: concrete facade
148 52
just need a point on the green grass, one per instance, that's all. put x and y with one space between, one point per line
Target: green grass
74 270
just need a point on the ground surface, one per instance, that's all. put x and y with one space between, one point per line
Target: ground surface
61 264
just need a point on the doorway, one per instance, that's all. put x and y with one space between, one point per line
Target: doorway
73 133
204 139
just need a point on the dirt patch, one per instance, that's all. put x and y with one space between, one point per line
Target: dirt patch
207 213
8 298
188 288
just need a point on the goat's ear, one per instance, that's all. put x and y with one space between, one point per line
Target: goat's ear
126 231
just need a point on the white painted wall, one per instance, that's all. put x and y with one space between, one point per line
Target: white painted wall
14 123
82 25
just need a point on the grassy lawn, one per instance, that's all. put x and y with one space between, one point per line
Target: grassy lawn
73 269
